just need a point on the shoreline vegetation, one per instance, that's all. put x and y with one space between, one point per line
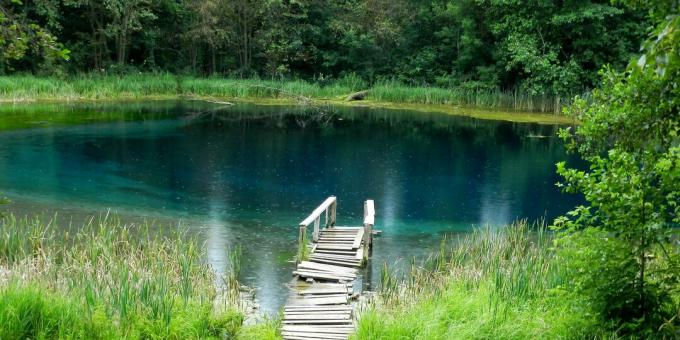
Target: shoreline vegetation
493 283
105 280
109 280
495 105
516 282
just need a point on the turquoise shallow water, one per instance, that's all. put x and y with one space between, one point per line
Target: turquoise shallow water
246 175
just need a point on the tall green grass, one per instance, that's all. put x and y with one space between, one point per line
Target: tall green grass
491 284
108 280
94 87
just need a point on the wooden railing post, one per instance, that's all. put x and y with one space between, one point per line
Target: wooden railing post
315 235
315 217
334 208
369 221
301 243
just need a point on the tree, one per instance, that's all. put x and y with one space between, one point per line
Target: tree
244 16
22 38
127 16
555 47
95 39
206 27
630 138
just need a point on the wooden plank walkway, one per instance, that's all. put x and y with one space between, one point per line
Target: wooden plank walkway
319 306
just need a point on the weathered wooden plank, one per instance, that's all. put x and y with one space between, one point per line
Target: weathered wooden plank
332 253
317 316
325 246
317 308
324 292
301 337
311 297
358 239
360 254
339 263
316 291
334 247
318 312
327 272
317 212
318 329
318 335
351 259
326 267
344 258
324 276
336 300
336 251
318 321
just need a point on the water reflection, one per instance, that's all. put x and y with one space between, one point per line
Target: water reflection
246 175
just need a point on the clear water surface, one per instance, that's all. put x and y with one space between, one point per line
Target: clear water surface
246 175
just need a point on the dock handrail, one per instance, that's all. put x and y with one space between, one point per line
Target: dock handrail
369 221
329 207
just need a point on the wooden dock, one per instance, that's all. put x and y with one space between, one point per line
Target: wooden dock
319 306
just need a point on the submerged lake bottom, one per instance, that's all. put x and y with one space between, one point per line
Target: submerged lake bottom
245 175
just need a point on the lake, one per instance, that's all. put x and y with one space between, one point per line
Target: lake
247 175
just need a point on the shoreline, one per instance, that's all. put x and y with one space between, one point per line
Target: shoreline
513 106
515 116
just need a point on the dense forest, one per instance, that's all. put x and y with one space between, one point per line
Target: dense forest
539 47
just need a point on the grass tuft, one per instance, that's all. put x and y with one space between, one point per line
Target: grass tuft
106 279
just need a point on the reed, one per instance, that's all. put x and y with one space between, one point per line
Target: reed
112 280
489 284
137 86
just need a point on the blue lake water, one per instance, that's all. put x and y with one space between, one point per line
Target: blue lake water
247 175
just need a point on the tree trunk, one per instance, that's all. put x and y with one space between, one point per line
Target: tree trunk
213 65
122 41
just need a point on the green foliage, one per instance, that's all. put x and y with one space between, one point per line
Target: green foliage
545 48
630 139
22 38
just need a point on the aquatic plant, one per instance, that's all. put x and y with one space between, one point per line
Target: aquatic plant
107 279
96 87
489 284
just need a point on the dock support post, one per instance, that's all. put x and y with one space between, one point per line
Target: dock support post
369 220
301 243
334 209
315 234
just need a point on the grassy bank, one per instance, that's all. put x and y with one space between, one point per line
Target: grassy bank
493 284
385 94
107 280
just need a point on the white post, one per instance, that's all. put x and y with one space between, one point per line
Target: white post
315 235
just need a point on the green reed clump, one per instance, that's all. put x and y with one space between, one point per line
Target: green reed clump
396 92
115 281
98 86
489 284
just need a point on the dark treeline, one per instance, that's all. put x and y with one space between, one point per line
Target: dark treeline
552 47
